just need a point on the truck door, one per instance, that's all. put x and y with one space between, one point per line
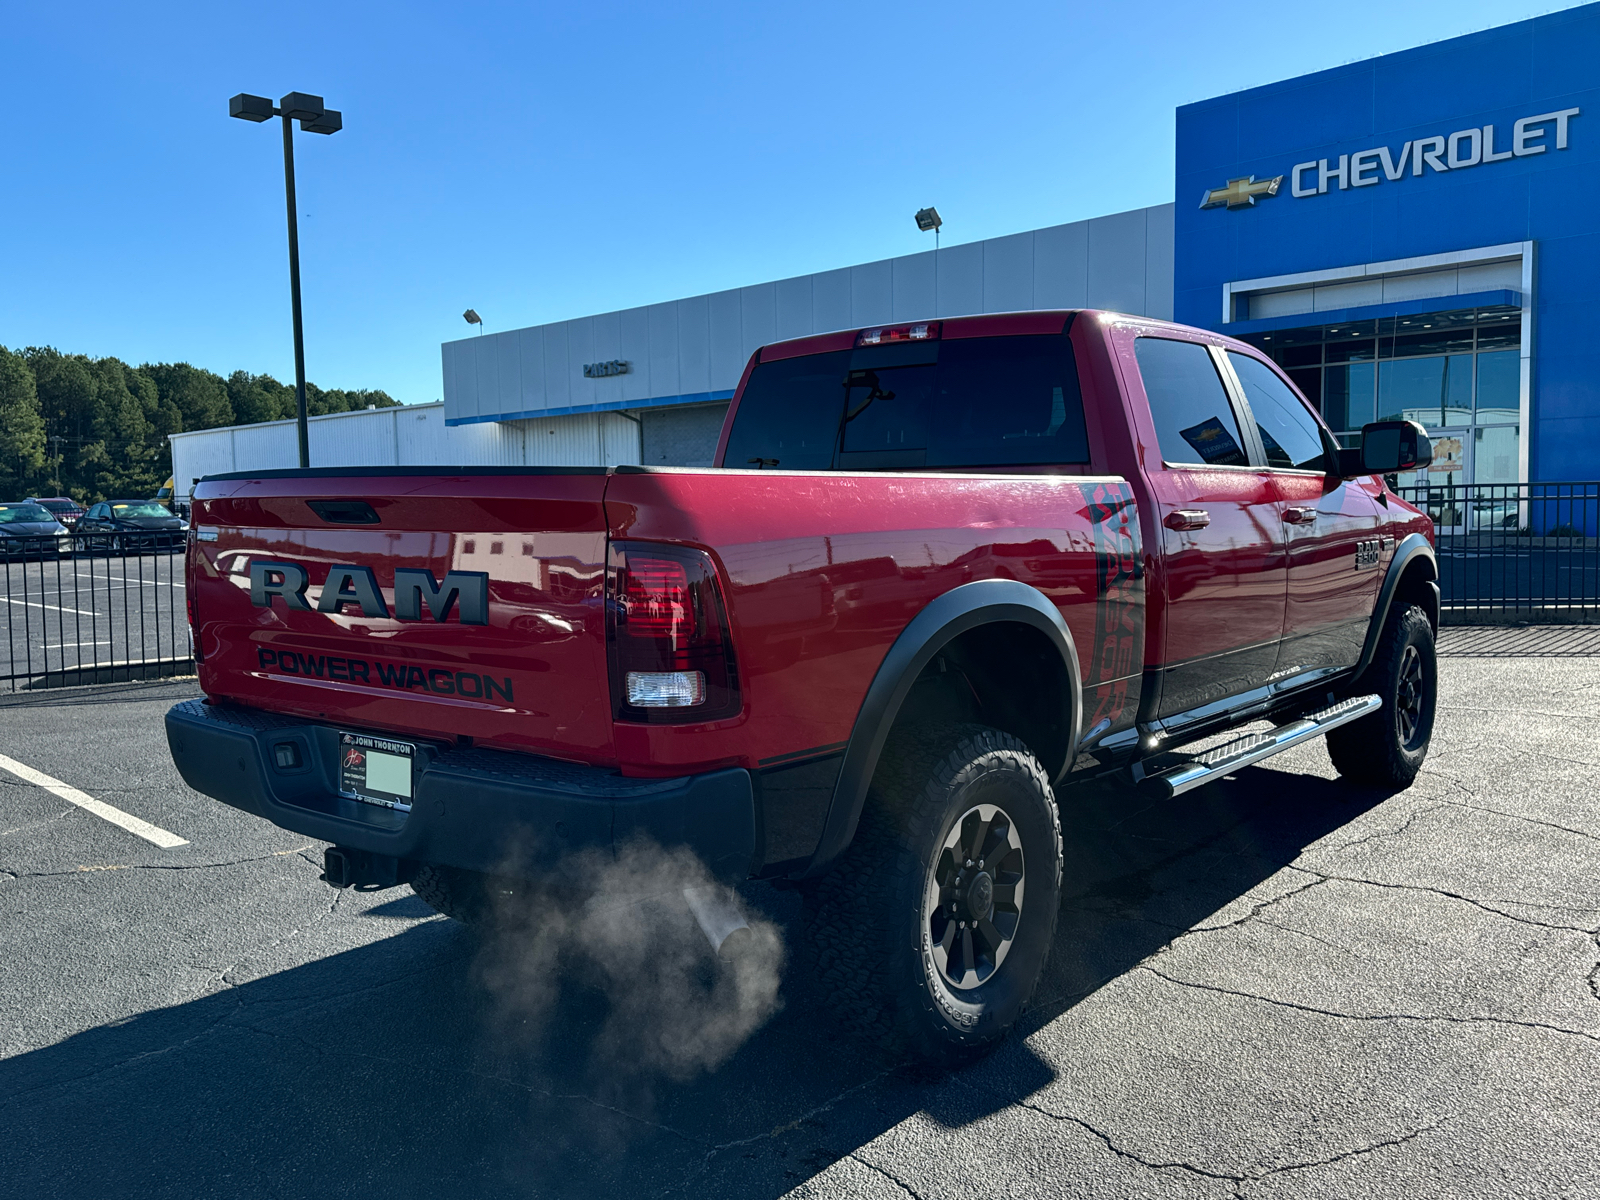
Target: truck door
1222 536
1332 527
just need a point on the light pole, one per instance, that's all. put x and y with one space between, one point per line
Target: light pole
313 118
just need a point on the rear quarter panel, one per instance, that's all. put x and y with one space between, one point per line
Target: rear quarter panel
826 569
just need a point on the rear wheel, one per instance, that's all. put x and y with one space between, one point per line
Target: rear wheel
932 930
1387 748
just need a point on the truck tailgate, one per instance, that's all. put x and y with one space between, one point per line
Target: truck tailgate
496 632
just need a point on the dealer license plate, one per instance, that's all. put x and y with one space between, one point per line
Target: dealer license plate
377 770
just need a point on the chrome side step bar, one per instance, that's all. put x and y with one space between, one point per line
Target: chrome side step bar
1173 773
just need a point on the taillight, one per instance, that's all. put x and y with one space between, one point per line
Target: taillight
921 332
667 630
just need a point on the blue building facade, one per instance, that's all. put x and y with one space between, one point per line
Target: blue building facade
1417 235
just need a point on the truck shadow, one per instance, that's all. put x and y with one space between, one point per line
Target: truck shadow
385 1070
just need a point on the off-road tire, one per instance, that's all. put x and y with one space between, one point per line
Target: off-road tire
865 928
1387 748
461 895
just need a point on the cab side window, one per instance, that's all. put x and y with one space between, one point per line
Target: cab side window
1195 423
1289 433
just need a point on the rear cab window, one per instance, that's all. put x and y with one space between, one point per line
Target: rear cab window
956 403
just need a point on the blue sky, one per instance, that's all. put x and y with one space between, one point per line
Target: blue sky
543 161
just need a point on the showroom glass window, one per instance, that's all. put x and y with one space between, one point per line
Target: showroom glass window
1458 373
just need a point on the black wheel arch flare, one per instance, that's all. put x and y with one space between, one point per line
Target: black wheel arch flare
982 602
1413 563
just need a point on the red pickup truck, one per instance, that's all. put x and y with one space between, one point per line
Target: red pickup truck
940 572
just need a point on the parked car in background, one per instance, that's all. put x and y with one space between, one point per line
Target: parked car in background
28 529
63 508
130 526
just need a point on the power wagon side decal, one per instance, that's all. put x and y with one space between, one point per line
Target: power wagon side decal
1119 607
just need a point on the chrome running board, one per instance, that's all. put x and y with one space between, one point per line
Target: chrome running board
1173 773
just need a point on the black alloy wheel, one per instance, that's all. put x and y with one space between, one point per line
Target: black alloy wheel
972 906
1409 698
931 931
1387 748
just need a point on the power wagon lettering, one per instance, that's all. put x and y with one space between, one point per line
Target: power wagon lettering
347 584
395 675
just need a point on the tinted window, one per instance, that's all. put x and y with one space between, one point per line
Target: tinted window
1289 433
789 414
966 402
1194 421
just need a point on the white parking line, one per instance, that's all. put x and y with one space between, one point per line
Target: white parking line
72 795
59 608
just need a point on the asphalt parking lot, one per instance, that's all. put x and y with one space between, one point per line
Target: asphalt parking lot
1274 986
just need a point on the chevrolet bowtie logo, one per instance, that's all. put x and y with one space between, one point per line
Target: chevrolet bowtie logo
1240 192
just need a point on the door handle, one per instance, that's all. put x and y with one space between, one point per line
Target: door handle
1295 515
1187 518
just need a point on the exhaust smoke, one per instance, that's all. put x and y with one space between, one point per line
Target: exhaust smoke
687 976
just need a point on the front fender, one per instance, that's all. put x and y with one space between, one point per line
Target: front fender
1413 552
983 602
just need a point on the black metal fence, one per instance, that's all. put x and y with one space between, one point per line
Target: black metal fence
1515 551
92 612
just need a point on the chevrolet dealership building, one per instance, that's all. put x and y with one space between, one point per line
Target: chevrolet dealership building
1417 234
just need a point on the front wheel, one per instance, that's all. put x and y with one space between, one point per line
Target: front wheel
1387 748
932 930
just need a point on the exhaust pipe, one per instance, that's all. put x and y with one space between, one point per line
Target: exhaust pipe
717 913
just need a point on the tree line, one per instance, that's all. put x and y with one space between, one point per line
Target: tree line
96 428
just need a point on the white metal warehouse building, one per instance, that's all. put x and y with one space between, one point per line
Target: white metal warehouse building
651 384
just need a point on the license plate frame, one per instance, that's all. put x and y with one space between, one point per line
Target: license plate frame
377 770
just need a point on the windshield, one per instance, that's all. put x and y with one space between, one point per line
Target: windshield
59 506
16 514
139 508
965 403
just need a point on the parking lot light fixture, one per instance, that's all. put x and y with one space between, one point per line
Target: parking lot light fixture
314 117
471 317
929 219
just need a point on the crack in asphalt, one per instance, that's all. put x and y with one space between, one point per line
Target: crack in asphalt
1593 837
1531 712
205 866
887 1174
1482 905
13 1097
1389 833
1235 1178
222 976
1480 1019
776 1131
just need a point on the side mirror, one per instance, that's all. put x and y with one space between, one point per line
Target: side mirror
1387 447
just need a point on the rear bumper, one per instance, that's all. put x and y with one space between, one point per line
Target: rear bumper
484 810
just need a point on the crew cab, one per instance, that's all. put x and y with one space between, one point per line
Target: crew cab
941 572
